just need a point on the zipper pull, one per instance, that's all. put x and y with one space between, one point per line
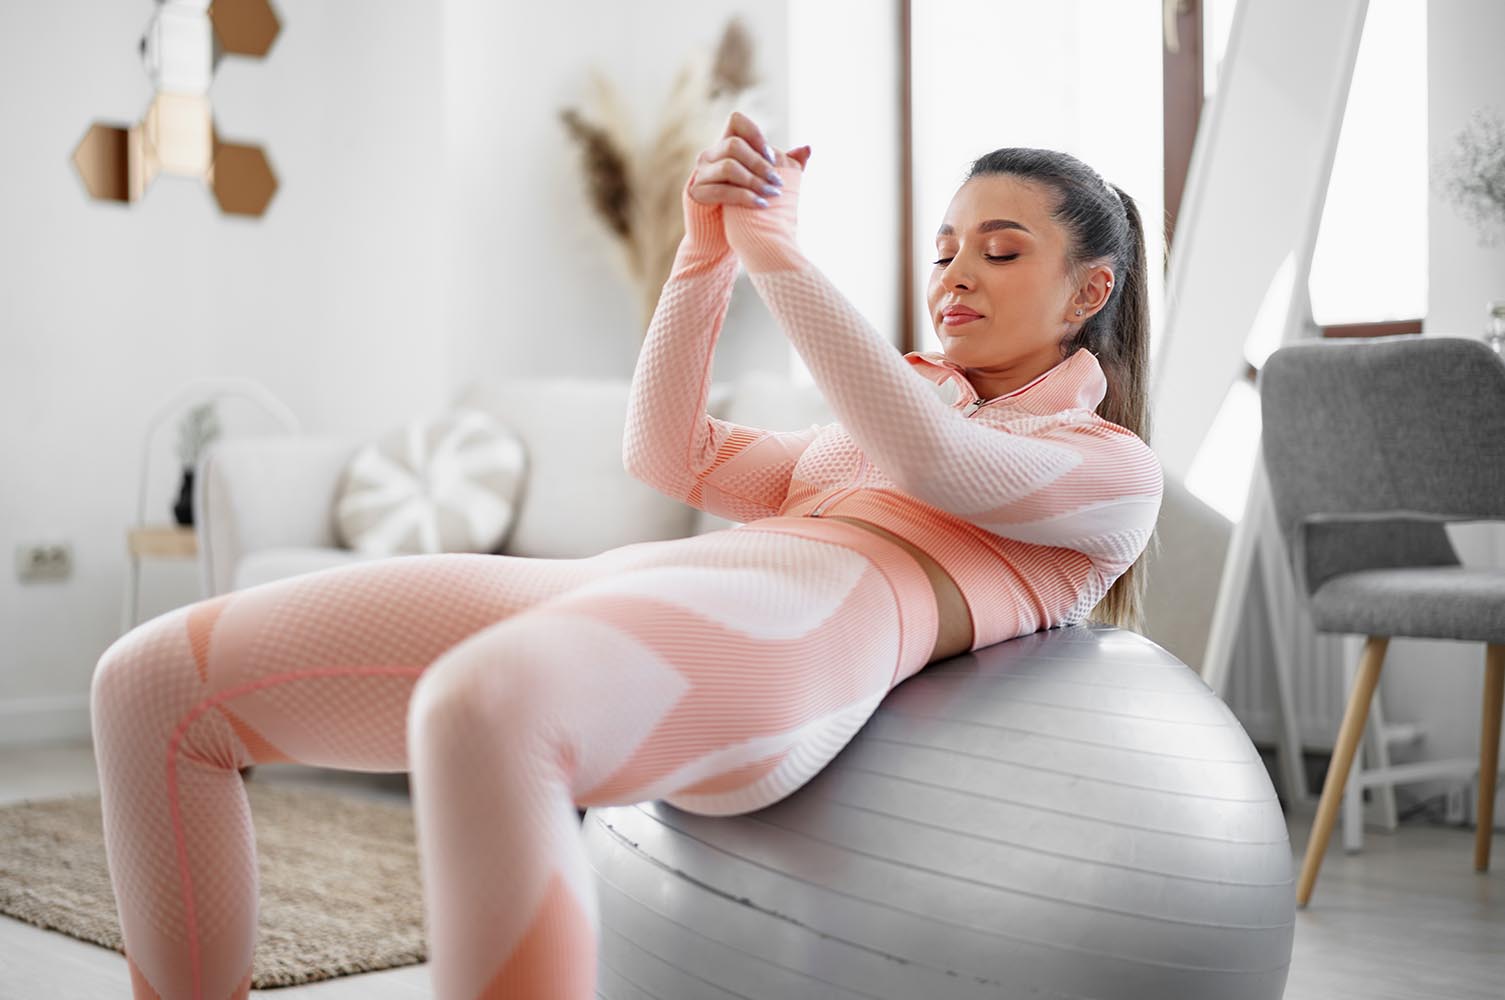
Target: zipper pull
974 405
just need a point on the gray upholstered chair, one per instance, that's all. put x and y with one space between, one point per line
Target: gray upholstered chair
1370 446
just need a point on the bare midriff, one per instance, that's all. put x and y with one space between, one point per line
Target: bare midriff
954 634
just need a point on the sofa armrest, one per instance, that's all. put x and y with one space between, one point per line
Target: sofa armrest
261 492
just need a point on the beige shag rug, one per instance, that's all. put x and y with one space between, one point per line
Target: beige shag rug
340 890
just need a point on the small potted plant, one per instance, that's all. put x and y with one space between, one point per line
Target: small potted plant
195 431
1473 175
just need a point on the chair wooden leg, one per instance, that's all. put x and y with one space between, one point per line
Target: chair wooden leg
1489 751
1349 734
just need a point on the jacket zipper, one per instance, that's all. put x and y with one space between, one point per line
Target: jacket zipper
979 403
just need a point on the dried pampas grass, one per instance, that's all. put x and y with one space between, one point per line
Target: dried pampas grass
635 193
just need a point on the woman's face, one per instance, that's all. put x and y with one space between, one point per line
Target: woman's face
1000 254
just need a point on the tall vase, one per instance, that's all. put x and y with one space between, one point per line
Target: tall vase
183 509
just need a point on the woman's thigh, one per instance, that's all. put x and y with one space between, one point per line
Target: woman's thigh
317 668
719 672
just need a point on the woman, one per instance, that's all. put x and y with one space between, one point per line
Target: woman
966 496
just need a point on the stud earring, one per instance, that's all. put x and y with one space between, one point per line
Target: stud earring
1079 312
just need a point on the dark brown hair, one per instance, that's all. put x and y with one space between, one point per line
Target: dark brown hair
1102 226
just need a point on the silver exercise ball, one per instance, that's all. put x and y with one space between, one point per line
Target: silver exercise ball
1071 813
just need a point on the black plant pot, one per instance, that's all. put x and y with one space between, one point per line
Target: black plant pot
183 509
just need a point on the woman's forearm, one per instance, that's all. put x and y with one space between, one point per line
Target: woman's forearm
667 434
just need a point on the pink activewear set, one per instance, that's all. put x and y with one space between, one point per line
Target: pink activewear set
718 672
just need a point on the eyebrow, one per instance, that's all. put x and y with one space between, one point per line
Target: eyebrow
985 227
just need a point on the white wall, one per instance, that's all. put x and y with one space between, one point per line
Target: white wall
105 309
843 101
429 228
535 284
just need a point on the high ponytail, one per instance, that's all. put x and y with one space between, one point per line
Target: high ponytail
1103 225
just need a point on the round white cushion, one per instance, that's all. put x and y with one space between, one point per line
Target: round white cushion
438 484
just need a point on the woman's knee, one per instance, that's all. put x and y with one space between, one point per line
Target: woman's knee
142 674
476 689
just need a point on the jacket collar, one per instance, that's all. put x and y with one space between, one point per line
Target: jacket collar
1077 382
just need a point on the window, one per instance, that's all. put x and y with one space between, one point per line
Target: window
1370 263
1376 198
1083 76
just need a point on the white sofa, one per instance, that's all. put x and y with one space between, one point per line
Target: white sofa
264 506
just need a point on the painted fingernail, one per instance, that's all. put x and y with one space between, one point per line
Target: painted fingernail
768 152
762 202
774 177
769 189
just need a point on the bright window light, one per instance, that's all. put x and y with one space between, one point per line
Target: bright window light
1377 197
1220 473
842 102
1370 263
1269 325
1082 76
1217 21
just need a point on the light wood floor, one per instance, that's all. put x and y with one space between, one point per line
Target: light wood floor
1406 918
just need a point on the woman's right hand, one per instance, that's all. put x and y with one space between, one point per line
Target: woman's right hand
738 169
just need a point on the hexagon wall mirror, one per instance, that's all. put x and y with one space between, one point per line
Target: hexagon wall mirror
180 50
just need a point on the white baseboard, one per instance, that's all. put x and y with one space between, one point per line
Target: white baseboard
47 719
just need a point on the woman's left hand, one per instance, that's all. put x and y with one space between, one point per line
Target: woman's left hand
764 238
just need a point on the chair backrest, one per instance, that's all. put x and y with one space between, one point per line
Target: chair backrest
1372 444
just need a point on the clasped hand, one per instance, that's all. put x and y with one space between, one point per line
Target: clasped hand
739 171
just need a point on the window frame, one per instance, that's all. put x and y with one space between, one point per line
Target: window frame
1182 100
1184 86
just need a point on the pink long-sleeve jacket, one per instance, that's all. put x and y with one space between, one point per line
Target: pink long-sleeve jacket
1031 501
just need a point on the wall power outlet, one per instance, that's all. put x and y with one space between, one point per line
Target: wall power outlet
44 562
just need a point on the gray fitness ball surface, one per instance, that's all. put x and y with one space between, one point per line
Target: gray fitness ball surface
1071 813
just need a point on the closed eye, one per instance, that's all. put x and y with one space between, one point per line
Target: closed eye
947 260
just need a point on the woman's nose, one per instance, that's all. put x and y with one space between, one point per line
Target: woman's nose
955 274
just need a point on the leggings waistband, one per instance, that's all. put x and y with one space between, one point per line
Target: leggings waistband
919 616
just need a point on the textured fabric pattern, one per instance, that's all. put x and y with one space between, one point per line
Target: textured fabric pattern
719 671
1440 602
1385 430
1032 502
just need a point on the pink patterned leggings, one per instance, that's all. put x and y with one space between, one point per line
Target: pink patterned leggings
718 672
